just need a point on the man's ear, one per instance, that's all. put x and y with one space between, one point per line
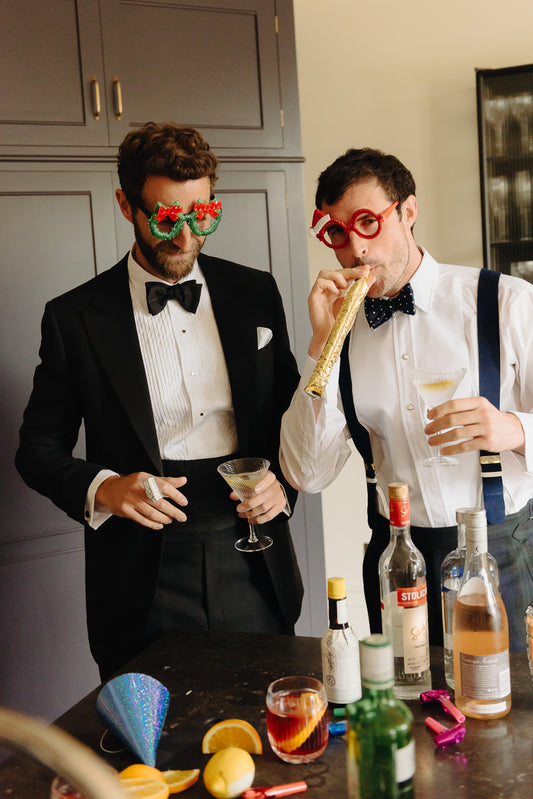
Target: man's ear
409 211
124 205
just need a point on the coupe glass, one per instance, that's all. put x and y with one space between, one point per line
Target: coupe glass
242 475
436 387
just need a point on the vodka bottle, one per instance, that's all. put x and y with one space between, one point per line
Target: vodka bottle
451 573
404 610
480 631
340 649
381 750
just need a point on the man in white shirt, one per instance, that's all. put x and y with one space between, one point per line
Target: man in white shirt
175 362
366 209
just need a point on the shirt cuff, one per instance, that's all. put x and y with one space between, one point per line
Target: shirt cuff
526 420
95 518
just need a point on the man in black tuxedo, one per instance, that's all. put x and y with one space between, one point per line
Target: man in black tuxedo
167 389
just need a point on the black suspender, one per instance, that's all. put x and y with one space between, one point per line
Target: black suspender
488 338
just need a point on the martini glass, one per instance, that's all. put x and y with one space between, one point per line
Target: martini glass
242 475
436 387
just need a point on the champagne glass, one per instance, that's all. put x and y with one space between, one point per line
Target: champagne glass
436 387
496 112
242 475
498 193
523 193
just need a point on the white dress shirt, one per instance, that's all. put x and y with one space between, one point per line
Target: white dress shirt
442 333
187 379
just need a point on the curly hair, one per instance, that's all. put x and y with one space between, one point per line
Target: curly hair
355 165
177 152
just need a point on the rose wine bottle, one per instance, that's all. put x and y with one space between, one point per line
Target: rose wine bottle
480 631
451 574
381 750
404 610
340 649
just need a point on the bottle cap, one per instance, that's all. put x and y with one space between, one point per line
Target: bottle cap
460 515
475 517
336 588
398 491
377 664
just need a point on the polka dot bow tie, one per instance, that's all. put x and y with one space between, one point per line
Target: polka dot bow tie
187 293
380 309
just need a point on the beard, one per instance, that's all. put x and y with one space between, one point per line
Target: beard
165 258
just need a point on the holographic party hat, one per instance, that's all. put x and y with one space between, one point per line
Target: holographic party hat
135 707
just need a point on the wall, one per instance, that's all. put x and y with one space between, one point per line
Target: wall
400 77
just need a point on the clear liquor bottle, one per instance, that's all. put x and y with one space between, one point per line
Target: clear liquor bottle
340 649
451 573
480 631
404 611
381 750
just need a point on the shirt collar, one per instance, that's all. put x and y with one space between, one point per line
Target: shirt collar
424 282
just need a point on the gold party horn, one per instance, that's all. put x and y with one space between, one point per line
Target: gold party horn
343 323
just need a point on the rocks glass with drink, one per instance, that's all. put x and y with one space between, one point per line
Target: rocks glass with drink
297 718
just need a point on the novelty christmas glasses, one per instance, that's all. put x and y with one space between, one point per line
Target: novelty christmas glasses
167 221
335 234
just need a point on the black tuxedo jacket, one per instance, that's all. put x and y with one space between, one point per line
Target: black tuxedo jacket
91 371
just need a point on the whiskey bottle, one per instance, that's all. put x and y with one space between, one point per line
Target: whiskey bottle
480 631
404 611
340 649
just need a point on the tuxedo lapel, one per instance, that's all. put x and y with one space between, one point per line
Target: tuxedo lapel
238 335
111 328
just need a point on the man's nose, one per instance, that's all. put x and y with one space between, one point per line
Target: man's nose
184 238
357 245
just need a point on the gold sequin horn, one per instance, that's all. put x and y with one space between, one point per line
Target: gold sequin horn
343 323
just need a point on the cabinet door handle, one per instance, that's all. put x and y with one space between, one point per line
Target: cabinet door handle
117 95
95 98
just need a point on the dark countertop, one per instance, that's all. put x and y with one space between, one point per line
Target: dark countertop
212 676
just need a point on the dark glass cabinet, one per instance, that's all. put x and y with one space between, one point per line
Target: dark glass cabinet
505 128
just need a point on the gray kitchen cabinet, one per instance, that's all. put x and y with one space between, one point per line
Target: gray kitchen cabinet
82 73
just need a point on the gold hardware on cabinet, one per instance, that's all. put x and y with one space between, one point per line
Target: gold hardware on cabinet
95 97
117 93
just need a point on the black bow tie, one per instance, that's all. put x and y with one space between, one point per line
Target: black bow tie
380 309
187 294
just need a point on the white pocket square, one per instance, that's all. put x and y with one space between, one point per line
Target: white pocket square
264 335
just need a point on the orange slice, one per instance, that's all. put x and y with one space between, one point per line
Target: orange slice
232 732
142 788
143 771
308 702
180 780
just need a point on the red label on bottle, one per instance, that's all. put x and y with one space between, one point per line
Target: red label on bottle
399 512
411 597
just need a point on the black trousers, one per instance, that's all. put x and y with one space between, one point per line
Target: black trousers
204 582
510 542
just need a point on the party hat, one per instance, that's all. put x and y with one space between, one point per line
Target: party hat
135 707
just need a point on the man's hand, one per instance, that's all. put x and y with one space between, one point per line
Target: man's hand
268 500
479 422
126 497
325 301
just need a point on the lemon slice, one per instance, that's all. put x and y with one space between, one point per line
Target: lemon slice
180 780
232 732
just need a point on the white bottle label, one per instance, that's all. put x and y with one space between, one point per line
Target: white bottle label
405 762
405 622
485 677
340 666
449 595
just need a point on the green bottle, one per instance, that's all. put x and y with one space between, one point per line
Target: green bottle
381 750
